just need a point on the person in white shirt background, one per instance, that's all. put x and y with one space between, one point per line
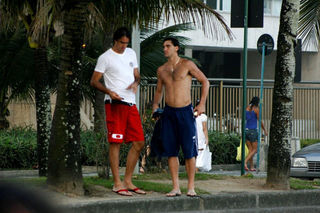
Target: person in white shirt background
202 133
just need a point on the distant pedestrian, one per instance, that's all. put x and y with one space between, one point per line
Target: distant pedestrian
252 117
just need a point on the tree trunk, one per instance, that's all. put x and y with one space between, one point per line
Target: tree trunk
282 107
101 133
100 125
43 109
64 168
4 112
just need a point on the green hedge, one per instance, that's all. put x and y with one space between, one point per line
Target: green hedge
18 147
307 142
223 147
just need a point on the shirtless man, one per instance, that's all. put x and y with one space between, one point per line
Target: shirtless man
178 122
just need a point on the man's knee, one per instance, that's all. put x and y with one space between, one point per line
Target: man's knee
138 145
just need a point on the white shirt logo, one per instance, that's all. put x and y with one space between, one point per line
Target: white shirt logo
117 136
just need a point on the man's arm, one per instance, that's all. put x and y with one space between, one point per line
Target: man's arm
158 93
95 82
196 73
205 131
256 110
135 84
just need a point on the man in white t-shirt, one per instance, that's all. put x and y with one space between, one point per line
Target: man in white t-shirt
119 68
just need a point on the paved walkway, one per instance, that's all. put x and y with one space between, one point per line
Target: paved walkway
235 199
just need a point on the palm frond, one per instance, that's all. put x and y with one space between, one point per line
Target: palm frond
147 12
151 47
309 22
16 65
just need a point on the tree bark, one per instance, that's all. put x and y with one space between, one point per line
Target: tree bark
282 107
43 109
101 135
4 112
64 168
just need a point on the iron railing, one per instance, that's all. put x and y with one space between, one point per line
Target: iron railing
224 105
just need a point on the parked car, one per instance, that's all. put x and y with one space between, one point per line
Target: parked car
305 163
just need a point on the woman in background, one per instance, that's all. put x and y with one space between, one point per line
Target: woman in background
252 117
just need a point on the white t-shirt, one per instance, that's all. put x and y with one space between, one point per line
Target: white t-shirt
201 137
118 72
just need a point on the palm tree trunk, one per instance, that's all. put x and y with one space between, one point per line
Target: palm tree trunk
4 112
281 121
101 133
64 168
43 109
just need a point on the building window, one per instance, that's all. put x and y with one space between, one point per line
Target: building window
272 7
212 4
217 64
225 5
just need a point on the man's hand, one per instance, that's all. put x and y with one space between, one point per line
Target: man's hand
198 110
115 96
133 87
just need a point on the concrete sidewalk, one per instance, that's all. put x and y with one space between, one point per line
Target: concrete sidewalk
219 200
285 201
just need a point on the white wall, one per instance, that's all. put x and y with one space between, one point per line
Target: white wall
271 26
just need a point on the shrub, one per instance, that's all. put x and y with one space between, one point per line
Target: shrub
18 148
223 147
307 142
92 150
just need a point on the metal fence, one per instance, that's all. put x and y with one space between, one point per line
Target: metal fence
224 106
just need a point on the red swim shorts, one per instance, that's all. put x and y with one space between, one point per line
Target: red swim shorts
123 123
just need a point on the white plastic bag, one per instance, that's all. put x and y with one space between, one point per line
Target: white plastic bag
204 160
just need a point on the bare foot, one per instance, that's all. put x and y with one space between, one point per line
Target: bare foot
191 193
141 170
174 193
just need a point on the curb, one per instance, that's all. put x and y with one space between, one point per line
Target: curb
282 201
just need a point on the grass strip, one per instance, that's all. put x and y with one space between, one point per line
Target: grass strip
297 184
145 185
182 176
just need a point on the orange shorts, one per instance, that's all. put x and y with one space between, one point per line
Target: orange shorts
123 123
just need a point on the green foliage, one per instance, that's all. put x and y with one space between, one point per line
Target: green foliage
223 147
18 148
307 142
296 183
92 150
88 148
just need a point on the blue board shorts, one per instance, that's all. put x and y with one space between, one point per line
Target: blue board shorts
179 129
252 135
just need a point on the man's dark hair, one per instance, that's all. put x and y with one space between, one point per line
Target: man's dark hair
174 41
120 32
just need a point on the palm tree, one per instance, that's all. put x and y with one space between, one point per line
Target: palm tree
35 18
16 71
64 171
151 49
309 22
282 105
